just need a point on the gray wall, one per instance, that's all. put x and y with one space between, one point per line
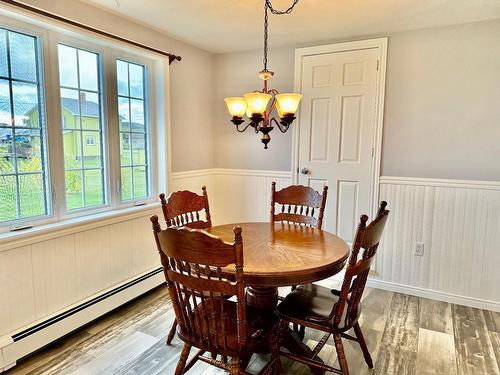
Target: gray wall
191 80
442 115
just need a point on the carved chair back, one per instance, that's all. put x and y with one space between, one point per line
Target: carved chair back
193 262
367 239
182 208
298 204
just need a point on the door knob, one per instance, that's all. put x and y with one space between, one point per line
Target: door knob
304 171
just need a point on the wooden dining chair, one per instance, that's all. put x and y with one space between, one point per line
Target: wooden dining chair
335 312
298 204
182 208
193 262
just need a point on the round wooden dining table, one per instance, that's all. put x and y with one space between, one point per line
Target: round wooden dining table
280 254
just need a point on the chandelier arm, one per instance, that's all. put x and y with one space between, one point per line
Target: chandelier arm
271 107
282 128
242 130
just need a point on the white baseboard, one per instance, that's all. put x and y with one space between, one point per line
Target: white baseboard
434 294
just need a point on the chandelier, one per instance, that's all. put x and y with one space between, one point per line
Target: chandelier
259 105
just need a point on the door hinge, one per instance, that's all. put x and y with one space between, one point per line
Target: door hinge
373 152
378 64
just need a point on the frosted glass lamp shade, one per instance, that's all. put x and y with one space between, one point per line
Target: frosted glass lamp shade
236 106
257 102
287 104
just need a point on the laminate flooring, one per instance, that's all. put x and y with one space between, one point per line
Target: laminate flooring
405 335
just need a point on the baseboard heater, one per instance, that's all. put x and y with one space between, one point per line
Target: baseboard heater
27 341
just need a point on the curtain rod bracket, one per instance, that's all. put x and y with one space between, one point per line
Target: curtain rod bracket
172 58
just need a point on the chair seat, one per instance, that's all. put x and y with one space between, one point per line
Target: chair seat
258 327
311 303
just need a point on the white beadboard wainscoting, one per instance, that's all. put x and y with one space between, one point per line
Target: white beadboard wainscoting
53 283
457 221
459 225
235 195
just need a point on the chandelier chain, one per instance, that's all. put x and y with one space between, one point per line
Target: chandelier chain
269 6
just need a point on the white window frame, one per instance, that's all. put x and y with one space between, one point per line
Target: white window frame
48 37
58 184
41 36
149 118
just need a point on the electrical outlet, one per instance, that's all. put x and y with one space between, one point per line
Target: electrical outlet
419 249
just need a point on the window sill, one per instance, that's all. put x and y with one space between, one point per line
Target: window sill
11 240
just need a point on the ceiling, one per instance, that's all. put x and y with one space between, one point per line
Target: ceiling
235 25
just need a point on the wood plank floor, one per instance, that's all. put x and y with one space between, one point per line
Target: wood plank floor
405 334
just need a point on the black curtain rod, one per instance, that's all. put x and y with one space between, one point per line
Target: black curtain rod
31 8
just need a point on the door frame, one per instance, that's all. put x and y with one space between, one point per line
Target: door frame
381 45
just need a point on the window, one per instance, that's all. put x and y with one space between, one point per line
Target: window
133 130
78 141
90 140
23 186
81 102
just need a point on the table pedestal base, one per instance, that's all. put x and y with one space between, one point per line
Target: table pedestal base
265 299
262 298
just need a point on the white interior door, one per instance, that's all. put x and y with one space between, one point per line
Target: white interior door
336 135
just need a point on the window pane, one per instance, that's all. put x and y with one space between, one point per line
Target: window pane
87 64
89 106
126 183
122 77
133 137
31 195
22 129
94 194
5 110
6 151
68 67
25 100
140 182
70 109
137 115
8 196
22 57
29 151
72 149
136 73
124 113
4 68
74 189
138 149
125 149
92 157
81 127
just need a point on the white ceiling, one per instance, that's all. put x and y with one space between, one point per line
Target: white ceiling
233 25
